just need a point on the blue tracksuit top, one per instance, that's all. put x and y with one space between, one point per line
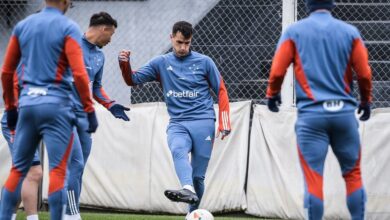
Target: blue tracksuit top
94 63
45 45
186 83
323 50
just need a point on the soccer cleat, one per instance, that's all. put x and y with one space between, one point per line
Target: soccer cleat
182 195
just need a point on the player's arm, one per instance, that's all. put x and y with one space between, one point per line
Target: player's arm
99 93
218 86
147 73
359 62
74 55
12 58
101 96
282 59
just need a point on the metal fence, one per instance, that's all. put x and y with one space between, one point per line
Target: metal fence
239 35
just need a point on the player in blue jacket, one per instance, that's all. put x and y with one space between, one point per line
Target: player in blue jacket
186 78
324 50
45 44
101 28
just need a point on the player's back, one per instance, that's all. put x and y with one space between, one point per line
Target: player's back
324 46
41 38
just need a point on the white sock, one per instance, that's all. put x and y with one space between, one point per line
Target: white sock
13 216
189 187
32 217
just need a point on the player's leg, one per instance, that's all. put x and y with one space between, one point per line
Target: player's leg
202 135
57 124
30 189
180 144
313 140
346 146
30 185
9 137
76 167
85 142
24 146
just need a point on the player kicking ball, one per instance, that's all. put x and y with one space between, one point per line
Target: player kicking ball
186 78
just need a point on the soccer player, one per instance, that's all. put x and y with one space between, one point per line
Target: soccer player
324 50
46 44
101 28
186 77
29 191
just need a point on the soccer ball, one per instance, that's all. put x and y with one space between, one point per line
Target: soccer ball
200 214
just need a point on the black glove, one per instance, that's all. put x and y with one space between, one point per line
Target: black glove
274 102
12 119
119 111
366 109
92 122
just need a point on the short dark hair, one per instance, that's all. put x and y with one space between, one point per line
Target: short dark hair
184 28
102 18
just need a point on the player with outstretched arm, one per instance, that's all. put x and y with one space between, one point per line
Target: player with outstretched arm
101 28
186 78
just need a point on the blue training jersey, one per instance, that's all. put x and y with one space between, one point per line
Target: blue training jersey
186 83
45 45
94 63
324 50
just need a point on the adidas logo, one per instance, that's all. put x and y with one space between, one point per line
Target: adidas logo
208 138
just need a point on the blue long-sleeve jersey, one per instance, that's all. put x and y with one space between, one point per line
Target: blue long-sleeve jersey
324 50
186 83
94 63
45 44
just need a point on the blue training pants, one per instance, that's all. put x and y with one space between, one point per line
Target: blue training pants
197 137
81 150
314 134
54 123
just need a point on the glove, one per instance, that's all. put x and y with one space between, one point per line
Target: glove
366 109
124 55
119 111
92 122
224 133
12 119
274 102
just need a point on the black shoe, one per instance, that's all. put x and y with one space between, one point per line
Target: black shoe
182 195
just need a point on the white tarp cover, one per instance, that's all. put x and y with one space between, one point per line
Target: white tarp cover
275 180
130 164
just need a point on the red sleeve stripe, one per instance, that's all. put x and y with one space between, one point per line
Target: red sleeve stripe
348 78
81 80
106 101
126 72
360 64
61 67
16 88
282 59
12 57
